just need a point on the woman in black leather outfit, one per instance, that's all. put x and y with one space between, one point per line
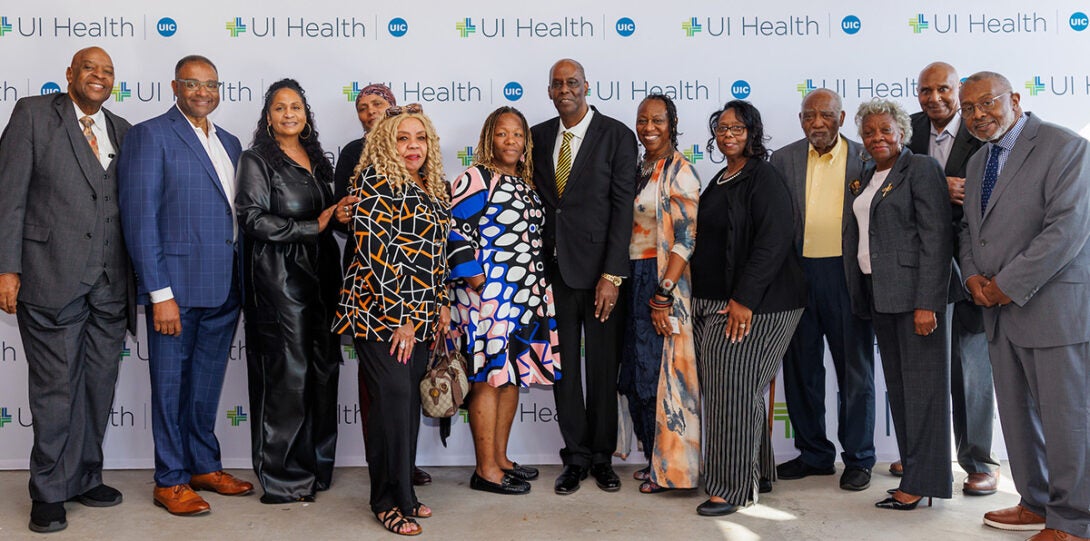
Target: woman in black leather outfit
291 279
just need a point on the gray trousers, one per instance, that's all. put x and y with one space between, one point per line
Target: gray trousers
971 391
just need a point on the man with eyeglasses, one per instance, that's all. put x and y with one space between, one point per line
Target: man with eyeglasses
65 275
939 131
177 191
820 168
585 171
1025 259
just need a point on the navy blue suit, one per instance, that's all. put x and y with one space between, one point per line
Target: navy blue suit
180 231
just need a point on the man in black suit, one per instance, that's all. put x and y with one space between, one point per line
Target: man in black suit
65 274
585 172
939 132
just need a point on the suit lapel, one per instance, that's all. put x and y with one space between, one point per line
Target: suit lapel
547 169
185 131
893 180
586 148
798 176
88 162
1023 147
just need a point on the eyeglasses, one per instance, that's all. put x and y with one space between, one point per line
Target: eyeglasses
572 84
411 109
193 84
736 130
984 105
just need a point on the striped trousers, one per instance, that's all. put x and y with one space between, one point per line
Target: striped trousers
732 382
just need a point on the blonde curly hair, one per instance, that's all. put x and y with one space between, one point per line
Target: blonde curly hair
380 151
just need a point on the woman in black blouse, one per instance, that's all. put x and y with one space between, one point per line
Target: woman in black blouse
748 295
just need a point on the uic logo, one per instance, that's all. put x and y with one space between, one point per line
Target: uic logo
236 26
50 88
851 24
465 27
1078 21
918 23
806 87
237 415
740 89
693 154
625 26
466 156
166 27
121 91
512 91
691 27
398 27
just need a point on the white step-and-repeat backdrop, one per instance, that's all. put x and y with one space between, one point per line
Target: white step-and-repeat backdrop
464 59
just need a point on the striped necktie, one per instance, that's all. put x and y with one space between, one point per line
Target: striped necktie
87 122
563 164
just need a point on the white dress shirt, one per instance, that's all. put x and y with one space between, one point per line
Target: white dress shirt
106 149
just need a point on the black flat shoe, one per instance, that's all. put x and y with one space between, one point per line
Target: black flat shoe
100 496
797 469
897 505
605 477
764 485
715 509
568 481
47 517
526 473
509 485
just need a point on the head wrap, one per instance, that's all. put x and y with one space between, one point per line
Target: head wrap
380 90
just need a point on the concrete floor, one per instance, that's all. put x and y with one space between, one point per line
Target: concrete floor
808 509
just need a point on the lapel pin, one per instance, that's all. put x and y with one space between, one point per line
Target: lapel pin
886 189
855 187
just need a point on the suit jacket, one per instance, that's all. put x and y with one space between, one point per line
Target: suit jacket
176 217
1032 237
911 239
590 227
53 194
790 161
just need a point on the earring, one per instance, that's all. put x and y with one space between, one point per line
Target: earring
305 128
268 130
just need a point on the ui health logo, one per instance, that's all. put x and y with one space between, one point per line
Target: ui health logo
350 350
779 413
5 417
693 154
237 415
466 156
121 91
983 23
5 26
691 27
465 27
236 26
806 87
1035 86
351 92
918 23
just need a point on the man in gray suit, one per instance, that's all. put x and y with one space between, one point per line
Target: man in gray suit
1025 255
65 273
819 169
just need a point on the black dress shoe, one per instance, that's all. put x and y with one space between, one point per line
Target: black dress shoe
715 509
764 485
100 496
47 517
897 505
797 469
605 477
855 478
421 477
526 473
568 482
509 485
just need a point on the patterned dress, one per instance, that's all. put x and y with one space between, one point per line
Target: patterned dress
508 328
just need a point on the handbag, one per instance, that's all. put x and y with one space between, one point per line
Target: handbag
444 386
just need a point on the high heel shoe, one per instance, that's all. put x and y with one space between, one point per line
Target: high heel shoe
893 503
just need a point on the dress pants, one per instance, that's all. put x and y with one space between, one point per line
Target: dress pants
72 353
394 422
828 316
1043 405
186 380
971 390
589 427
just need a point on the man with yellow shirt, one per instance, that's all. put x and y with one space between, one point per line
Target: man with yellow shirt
819 170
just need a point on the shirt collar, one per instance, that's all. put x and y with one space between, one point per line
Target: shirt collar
99 117
579 130
211 126
833 153
1007 141
951 128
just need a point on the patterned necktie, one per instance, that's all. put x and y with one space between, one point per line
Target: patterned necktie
87 122
563 163
991 174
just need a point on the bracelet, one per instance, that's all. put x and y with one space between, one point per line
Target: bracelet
665 293
667 284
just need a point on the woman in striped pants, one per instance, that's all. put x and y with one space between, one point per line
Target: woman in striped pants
748 295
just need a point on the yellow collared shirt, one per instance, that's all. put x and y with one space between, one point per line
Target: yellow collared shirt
824 201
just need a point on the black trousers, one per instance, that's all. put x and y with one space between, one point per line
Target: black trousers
588 424
393 422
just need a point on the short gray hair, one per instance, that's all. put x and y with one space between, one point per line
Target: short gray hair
878 106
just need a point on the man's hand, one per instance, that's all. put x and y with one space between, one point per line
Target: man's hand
167 318
994 294
9 291
976 284
924 322
605 297
956 187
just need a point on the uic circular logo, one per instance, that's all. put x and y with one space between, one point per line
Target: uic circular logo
1079 21
851 24
626 26
398 27
740 89
166 27
50 88
512 91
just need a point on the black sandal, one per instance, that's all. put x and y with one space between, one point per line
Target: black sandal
642 474
651 487
395 520
415 511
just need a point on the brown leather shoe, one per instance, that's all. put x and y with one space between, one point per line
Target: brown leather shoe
421 477
221 482
180 500
981 484
897 469
1050 534
1015 518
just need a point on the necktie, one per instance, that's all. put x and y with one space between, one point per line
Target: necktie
563 163
87 122
991 174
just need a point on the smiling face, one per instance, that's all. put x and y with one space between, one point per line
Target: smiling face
938 94
287 114
369 108
990 124
653 127
197 103
90 79
732 146
882 138
508 143
568 90
412 144
821 119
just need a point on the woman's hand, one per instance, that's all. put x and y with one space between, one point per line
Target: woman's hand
343 209
444 321
403 341
660 317
925 322
739 321
324 217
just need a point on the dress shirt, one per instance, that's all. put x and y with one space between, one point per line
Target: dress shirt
1006 142
941 142
861 208
821 234
102 134
578 131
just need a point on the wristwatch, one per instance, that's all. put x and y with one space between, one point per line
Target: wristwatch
613 279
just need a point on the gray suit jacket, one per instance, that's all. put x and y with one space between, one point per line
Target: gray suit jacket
52 194
790 161
911 239
1032 237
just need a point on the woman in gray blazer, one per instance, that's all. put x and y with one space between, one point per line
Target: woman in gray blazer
897 251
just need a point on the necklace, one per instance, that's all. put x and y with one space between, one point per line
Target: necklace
728 176
647 166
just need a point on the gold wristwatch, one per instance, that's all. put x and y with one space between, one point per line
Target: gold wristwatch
613 279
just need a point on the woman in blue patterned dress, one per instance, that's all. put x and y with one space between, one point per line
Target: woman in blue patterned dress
503 306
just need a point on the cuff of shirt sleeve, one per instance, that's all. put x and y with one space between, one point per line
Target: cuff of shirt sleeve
160 295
